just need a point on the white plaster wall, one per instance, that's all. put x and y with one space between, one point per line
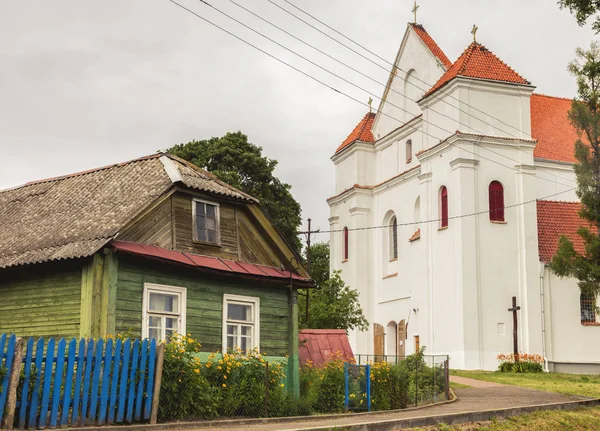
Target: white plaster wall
555 181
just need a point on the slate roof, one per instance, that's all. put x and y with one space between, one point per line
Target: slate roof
322 345
479 62
554 220
75 215
362 132
433 47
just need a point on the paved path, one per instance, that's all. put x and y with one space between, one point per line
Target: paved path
475 383
470 400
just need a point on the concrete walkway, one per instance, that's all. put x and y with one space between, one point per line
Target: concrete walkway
470 400
475 383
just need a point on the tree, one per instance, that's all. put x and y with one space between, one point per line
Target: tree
333 304
241 164
583 9
585 117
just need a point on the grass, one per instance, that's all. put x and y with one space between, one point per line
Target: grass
569 384
585 419
455 385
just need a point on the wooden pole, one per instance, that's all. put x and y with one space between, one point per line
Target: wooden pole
267 390
514 310
160 356
13 383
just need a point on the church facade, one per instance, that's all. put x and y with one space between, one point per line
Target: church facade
449 201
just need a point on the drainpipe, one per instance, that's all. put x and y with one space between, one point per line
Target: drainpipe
543 310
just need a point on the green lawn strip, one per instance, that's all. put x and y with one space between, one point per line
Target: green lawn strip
569 384
585 419
455 385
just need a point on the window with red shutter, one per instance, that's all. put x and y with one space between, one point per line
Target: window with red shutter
444 206
496 192
345 243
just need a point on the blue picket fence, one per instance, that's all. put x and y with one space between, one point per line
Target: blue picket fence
85 382
7 353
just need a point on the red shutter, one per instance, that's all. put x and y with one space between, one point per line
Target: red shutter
496 192
345 243
444 204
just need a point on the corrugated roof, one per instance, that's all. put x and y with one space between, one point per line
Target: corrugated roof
322 345
362 132
75 215
555 219
430 43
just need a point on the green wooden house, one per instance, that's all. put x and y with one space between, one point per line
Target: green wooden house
147 248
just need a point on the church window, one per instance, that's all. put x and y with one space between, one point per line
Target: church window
345 243
443 207
587 305
408 151
496 192
393 238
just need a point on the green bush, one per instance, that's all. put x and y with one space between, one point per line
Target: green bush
520 363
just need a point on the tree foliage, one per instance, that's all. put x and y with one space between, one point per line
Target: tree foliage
333 304
585 117
240 163
583 10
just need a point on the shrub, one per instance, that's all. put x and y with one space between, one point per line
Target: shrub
521 363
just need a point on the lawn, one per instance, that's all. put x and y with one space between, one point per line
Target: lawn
585 419
570 384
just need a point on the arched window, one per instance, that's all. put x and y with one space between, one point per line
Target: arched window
444 206
587 305
496 201
408 151
345 243
393 238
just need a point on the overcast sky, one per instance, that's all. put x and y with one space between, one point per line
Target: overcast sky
87 83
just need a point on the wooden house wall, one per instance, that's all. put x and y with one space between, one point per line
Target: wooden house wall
41 301
153 228
204 303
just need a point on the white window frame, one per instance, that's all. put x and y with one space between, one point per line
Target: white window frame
217 216
245 300
162 288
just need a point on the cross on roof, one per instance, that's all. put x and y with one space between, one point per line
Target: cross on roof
414 10
474 33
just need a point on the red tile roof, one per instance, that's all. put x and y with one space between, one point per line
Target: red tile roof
550 125
207 262
415 236
322 345
479 62
555 219
362 132
433 47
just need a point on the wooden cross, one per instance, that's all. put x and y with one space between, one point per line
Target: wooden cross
474 33
414 10
370 102
514 310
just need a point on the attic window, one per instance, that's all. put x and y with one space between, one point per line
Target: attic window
206 221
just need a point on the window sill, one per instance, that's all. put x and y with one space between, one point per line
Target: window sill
394 259
210 244
395 274
590 323
498 222
442 228
345 260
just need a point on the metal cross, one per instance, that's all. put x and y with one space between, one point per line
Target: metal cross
474 33
514 310
414 10
370 102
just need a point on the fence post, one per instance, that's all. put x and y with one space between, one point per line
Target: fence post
346 388
266 389
417 383
447 378
160 355
13 382
434 368
368 387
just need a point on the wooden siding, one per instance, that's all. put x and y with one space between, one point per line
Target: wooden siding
204 303
254 244
41 302
153 228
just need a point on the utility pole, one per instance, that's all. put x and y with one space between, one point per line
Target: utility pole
308 233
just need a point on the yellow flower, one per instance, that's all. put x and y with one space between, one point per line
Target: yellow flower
281 385
224 385
225 376
219 368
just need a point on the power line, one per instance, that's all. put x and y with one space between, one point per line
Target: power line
342 78
437 220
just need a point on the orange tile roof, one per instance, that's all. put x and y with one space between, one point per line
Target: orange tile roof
550 125
433 47
415 236
555 219
479 62
362 132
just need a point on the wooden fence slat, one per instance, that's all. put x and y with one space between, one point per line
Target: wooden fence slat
132 376
105 381
10 352
58 381
35 396
78 378
114 383
66 402
25 392
15 375
150 384
87 373
123 384
140 386
96 381
47 382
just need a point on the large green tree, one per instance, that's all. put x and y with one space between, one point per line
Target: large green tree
585 117
333 304
583 10
240 163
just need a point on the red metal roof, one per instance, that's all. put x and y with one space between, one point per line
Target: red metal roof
208 262
554 220
322 345
433 47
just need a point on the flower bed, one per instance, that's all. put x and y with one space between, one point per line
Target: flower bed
520 363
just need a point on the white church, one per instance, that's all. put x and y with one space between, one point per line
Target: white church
449 201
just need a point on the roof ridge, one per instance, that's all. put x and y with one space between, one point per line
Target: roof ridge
431 44
503 62
578 203
552 97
